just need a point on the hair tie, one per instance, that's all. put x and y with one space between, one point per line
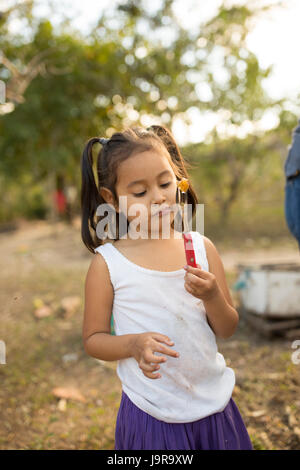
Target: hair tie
183 185
182 188
102 140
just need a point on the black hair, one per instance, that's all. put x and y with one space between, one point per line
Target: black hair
118 148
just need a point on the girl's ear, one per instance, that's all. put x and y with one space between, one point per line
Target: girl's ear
108 197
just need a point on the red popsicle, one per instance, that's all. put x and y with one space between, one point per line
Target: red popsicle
189 250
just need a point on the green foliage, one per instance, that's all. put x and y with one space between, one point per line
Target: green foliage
22 198
87 85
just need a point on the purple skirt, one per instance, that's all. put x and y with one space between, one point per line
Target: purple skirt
137 430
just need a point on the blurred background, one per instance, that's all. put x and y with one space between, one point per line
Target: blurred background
223 76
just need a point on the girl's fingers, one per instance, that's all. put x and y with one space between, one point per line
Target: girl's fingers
150 371
160 347
188 287
149 357
153 358
164 349
194 280
198 272
152 376
163 338
148 367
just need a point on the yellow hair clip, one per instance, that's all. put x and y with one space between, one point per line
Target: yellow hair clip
183 185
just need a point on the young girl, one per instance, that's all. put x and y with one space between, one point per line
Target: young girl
176 387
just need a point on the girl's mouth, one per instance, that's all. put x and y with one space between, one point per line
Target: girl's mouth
162 212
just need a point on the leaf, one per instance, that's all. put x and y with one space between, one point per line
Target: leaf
68 393
69 305
296 431
37 302
70 357
291 418
42 312
257 413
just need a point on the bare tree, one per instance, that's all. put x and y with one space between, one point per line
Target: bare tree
22 75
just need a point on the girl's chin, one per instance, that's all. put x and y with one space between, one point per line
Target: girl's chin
159 227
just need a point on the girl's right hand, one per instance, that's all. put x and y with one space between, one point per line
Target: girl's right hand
143 348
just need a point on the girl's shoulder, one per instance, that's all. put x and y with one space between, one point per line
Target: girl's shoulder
212 254
209 246
104 260
98 269
210 249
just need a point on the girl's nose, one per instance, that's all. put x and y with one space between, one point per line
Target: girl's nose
159 200
157 197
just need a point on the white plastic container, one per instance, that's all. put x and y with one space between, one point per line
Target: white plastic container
270 290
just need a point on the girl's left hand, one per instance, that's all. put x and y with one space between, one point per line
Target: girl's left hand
201 284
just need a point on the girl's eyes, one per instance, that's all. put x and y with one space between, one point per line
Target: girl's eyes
143 193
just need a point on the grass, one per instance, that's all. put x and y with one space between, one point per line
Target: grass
30 416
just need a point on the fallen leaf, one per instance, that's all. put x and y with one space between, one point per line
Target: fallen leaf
65 325
296 431
43 311
69 305
257 413
37 302
291 418
69 393
266 439
273 375
71 357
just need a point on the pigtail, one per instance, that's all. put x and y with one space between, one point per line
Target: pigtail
90 197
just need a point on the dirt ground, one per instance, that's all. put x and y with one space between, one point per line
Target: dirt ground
44 264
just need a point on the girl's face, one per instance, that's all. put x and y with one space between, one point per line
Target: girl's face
147 178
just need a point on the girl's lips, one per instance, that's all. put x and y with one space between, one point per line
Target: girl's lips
164 211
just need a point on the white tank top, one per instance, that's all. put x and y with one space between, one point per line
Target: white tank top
197 383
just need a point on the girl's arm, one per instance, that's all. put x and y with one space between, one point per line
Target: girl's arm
211 287
99 294
99 343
